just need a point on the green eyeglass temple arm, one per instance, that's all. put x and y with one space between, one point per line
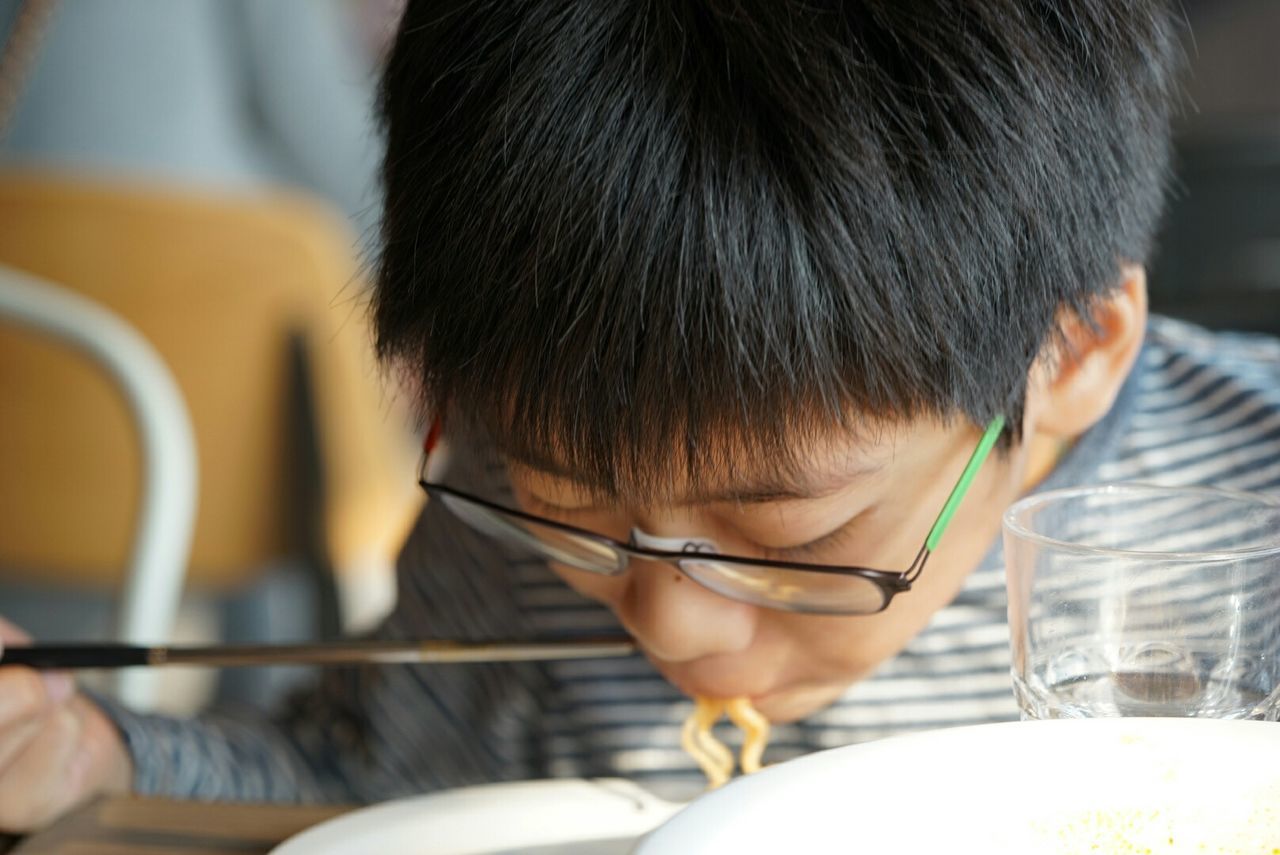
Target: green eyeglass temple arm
980 453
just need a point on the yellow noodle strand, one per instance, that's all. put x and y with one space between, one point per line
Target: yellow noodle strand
713 756
755 729
692 746
708 712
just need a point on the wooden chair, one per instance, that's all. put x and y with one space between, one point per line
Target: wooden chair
256 306
166 512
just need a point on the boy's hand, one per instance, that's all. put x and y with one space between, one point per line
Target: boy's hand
57 749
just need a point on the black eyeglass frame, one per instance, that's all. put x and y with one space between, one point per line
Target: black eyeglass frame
888 582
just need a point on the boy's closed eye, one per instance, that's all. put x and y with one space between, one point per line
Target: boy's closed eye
774 540
815 549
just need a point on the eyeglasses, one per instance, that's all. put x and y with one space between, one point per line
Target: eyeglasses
785 585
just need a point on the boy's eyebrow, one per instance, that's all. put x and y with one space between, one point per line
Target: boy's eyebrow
781 486
774 487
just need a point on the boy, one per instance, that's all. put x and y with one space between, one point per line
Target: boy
752 280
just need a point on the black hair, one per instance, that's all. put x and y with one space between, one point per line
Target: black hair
645 237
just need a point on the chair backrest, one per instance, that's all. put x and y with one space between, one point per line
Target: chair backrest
158 562
224 288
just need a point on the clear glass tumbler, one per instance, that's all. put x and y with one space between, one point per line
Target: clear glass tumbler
1140 600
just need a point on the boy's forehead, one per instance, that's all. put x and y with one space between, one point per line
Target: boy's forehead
813 469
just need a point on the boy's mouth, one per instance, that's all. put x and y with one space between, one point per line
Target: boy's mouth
723 689
703 678
780 702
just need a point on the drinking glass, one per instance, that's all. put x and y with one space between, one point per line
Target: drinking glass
1141 600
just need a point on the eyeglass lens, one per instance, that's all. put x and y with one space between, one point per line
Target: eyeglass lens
561 546
790 589
774 587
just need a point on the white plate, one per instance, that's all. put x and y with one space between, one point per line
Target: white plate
559 817
1128 785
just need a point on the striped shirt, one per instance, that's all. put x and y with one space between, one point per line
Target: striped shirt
1199 408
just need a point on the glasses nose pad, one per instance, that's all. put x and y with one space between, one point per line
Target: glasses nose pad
692 545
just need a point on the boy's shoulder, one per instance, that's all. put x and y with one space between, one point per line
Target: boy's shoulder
1249 354
1204 409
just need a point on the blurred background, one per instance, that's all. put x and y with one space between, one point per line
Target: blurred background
1218 261
205 172
194 440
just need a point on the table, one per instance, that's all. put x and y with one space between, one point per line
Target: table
135 826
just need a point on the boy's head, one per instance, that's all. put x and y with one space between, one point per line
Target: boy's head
660 255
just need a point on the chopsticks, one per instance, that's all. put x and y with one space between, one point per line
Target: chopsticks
71 656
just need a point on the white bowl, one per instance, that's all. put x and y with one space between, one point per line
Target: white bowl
1120 785
558 817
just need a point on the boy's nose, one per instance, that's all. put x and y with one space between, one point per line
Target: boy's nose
678 620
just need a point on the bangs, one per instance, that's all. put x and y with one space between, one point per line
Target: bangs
646 440
633 384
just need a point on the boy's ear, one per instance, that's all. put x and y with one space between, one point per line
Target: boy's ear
1074 385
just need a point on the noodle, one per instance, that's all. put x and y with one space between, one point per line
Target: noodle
711 755
755 733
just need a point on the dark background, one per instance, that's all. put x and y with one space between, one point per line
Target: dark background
1218 256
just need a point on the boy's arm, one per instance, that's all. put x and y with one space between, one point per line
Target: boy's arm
359 735
369 733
